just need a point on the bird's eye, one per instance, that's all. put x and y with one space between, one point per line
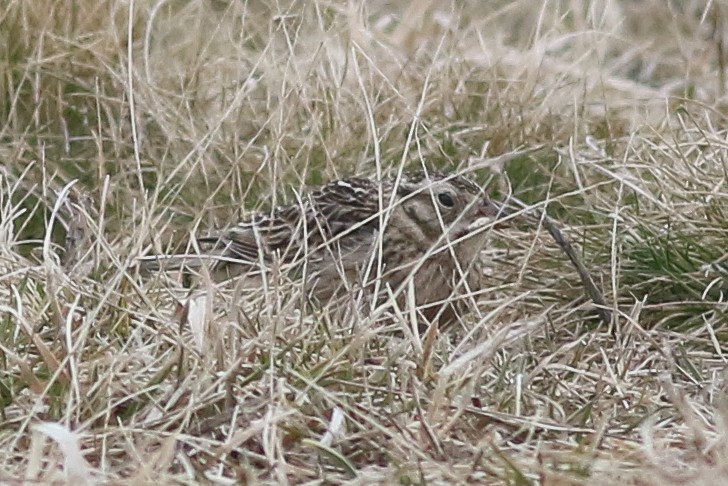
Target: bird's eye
446 199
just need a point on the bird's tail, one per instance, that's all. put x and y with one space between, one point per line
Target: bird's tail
206 254
171 263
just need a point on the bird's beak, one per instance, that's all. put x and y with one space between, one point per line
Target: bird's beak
491 209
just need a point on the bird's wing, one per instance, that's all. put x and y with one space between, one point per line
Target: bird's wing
346 205
330 211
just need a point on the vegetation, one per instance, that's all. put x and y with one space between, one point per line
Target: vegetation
127 126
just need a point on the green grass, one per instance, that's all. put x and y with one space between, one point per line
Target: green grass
184 117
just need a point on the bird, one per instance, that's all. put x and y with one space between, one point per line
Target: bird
378 236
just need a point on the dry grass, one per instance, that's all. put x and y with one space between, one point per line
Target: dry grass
176 117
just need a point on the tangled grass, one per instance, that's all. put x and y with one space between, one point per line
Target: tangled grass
128 126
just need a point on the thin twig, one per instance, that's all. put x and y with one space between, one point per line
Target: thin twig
592 290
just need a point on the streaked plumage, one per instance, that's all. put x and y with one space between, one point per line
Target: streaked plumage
358 233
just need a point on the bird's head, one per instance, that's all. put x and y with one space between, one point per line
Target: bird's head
447 204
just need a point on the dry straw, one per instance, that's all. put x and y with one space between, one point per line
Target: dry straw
176 118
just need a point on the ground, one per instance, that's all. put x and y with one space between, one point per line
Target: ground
127 126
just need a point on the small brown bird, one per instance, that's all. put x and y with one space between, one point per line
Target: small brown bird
359 233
